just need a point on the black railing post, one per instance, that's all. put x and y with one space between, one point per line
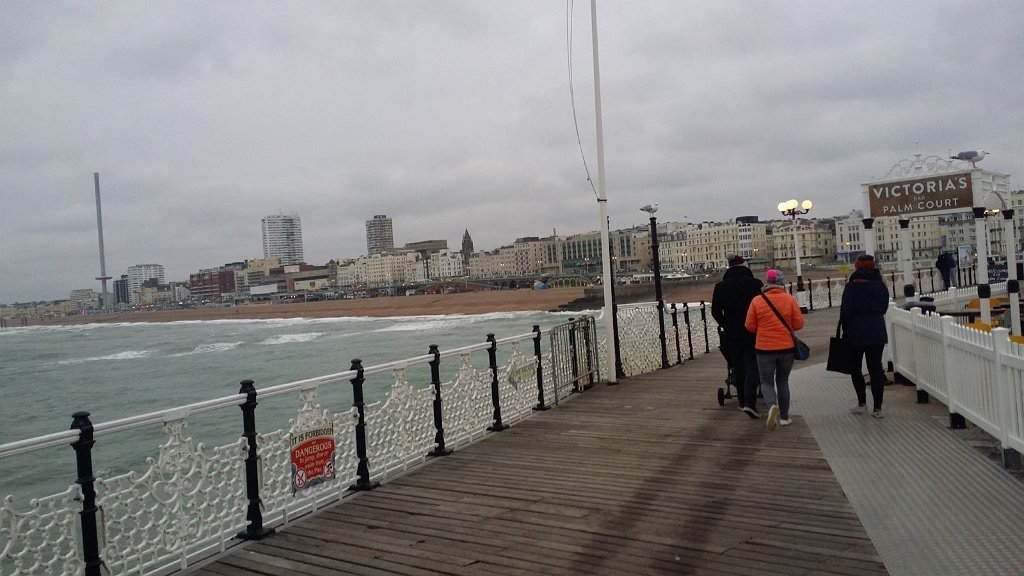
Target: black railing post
83 458
539 358
704 321
829 285
620 372
892 282
363 468
254 529
810 296
675 327
492 355
689 332
587 343
656 264
574 354
435 381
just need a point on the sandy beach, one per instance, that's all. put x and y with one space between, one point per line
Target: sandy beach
522 300
417 305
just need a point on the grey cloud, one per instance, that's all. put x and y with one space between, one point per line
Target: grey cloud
202 118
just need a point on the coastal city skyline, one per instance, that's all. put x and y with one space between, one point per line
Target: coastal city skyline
283 243
203 119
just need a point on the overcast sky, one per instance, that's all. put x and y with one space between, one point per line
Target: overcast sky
203 117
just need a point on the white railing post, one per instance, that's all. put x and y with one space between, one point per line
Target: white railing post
1004 392
954 393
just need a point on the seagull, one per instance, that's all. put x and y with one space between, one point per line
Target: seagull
650 208
972 156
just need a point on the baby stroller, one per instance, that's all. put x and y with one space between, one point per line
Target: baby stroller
730 382
730 378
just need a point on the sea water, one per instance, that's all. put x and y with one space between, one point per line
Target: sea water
118 370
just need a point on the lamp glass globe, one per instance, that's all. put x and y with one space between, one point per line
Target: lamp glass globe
807 205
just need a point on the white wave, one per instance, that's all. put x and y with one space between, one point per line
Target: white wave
446 321
210 348
126 355
292 338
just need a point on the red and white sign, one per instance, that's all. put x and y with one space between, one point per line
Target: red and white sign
312 458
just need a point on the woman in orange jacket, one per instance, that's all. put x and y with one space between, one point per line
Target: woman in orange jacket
773 344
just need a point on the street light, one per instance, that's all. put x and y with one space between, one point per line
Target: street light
792 208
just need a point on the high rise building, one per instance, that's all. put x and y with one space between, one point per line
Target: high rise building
139 273
380 237
121 290
282 238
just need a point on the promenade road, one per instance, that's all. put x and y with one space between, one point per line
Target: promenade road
652 476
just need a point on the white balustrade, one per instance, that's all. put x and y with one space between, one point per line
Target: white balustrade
978 375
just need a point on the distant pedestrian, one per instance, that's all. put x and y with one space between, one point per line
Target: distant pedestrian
945 263
729 304
772 316
862 314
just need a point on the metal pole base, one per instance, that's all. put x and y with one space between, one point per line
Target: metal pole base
1011 459
259 534
957 421
364 486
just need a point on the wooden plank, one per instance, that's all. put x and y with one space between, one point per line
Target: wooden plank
649 476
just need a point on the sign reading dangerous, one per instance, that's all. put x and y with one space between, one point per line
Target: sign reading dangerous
935 194
312 457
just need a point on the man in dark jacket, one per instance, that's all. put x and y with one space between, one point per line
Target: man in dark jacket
729 304
945 263
862 314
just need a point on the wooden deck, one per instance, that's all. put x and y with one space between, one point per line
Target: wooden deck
649 476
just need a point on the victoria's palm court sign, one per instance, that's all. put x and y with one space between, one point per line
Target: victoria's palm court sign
906 198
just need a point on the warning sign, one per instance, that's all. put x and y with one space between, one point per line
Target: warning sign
312 458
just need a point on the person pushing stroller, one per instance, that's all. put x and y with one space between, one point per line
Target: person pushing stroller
729 303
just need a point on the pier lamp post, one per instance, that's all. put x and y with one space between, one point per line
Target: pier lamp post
656 265
792 208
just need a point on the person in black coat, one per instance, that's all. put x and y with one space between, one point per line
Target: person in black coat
729 303
945 263
862 314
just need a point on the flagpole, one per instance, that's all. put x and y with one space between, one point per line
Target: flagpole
602 202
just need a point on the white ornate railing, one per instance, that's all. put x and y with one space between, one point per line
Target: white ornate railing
191 501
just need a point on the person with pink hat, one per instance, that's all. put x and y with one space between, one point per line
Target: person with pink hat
772 318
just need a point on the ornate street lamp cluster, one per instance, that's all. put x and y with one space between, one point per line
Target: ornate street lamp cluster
792 208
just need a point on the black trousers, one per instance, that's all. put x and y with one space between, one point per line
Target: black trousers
873 356
744 372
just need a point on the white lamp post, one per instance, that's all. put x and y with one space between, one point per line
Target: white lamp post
792 208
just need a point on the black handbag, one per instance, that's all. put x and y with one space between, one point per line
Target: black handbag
801 351
842 356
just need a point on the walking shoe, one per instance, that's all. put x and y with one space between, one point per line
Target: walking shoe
773 416
858 409
785 421
751 412
877 414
